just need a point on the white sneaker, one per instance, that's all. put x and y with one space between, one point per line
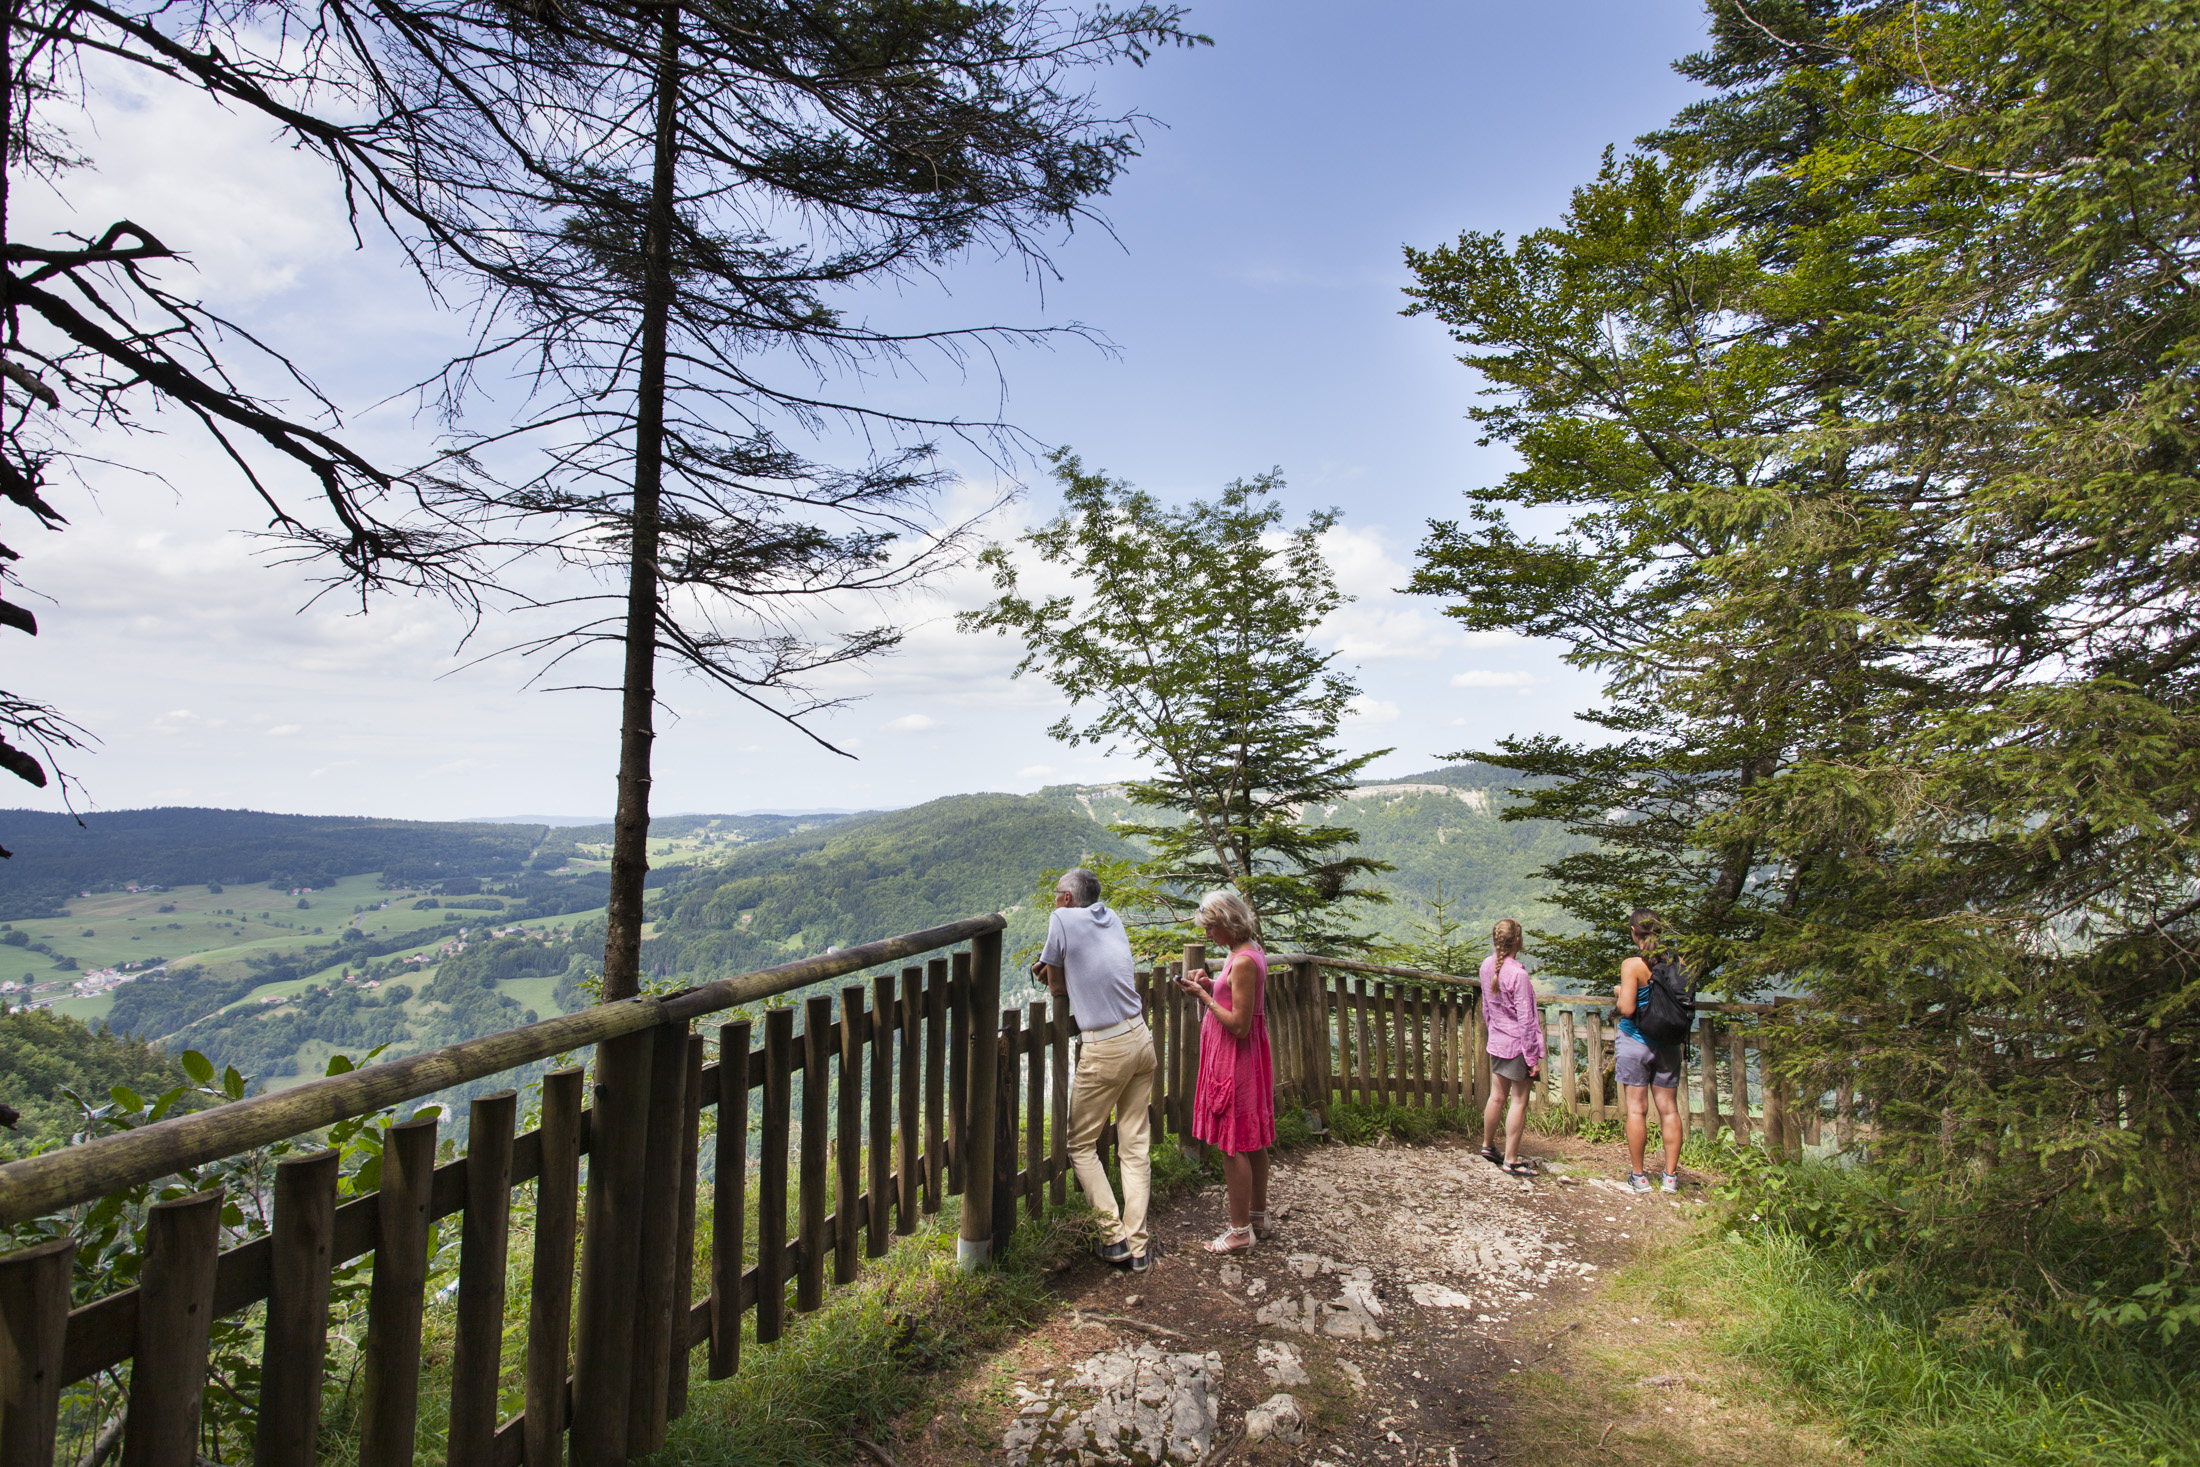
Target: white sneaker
1640 1181
1672 1183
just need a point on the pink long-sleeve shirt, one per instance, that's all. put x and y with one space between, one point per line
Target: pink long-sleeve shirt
1508 1007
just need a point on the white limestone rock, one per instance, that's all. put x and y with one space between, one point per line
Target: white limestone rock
1281 1363
1276 1419
1138 1406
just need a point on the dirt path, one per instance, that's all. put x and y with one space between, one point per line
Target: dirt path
1401 1289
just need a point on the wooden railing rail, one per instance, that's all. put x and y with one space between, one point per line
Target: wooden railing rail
605 1373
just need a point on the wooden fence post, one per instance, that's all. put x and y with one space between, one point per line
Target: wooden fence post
34 1324
877 1224
1566 1075
771 1175
935 1078
175 1318
1195 958
1596 1065
550 1295
294 1349
657 1248
390 1397
817 1071
974 1244
909 1077
729 1202
1706 1045
683 1248
1035 1109
958 1070
1737 1049
484 1240
603 1364
1058 1106
1324 1062
848 1231
1004 1128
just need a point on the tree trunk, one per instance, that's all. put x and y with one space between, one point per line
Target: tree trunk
622 956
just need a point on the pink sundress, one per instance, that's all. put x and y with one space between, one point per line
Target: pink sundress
1234 1107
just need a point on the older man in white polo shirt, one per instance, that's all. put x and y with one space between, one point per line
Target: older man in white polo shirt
1087 957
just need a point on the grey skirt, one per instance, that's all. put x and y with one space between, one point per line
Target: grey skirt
1513 1067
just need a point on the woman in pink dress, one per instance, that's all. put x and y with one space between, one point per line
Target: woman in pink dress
1234 1108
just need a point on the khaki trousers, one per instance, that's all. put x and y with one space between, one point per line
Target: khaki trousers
1114 1075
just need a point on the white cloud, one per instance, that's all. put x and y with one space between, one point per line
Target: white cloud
1368 631
1035 771
280 730
1363 709
1482 677
183 720
912 723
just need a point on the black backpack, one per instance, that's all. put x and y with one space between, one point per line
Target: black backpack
1665 1007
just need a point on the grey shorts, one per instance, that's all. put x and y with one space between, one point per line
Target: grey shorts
1513 1067
1637 1063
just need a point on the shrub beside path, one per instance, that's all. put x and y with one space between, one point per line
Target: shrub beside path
1411 1305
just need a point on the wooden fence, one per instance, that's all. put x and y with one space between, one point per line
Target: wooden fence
911 1105
1405 1037
871 1152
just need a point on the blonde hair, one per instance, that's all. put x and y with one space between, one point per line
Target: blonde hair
1505 940
1231 912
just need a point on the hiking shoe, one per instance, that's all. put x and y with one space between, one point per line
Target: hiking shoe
1671 1184
1640 1181
1140 1262
1113 1252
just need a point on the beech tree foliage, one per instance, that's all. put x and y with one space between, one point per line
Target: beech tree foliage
1184 632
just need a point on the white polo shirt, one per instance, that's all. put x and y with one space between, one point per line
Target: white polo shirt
1093 951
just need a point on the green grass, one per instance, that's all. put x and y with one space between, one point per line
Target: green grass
1925 1388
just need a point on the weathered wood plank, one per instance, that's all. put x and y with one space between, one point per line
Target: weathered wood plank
908 1108
34 1324
958 1069
1035 1109
389 1408
484 1241
848 1137
610 1251
1058 1110
935 1078
817 1044
550 1290
682 1313
877 1225
729 1201
294 1348
771 1161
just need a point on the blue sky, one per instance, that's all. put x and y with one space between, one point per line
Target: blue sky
1250 290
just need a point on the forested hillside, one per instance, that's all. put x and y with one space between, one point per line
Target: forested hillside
871 876
55 857
1440 829
43 1054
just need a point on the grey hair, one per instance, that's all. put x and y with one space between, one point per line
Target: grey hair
1232 912
1083 887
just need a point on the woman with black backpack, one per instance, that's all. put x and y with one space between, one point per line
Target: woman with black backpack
1652 996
